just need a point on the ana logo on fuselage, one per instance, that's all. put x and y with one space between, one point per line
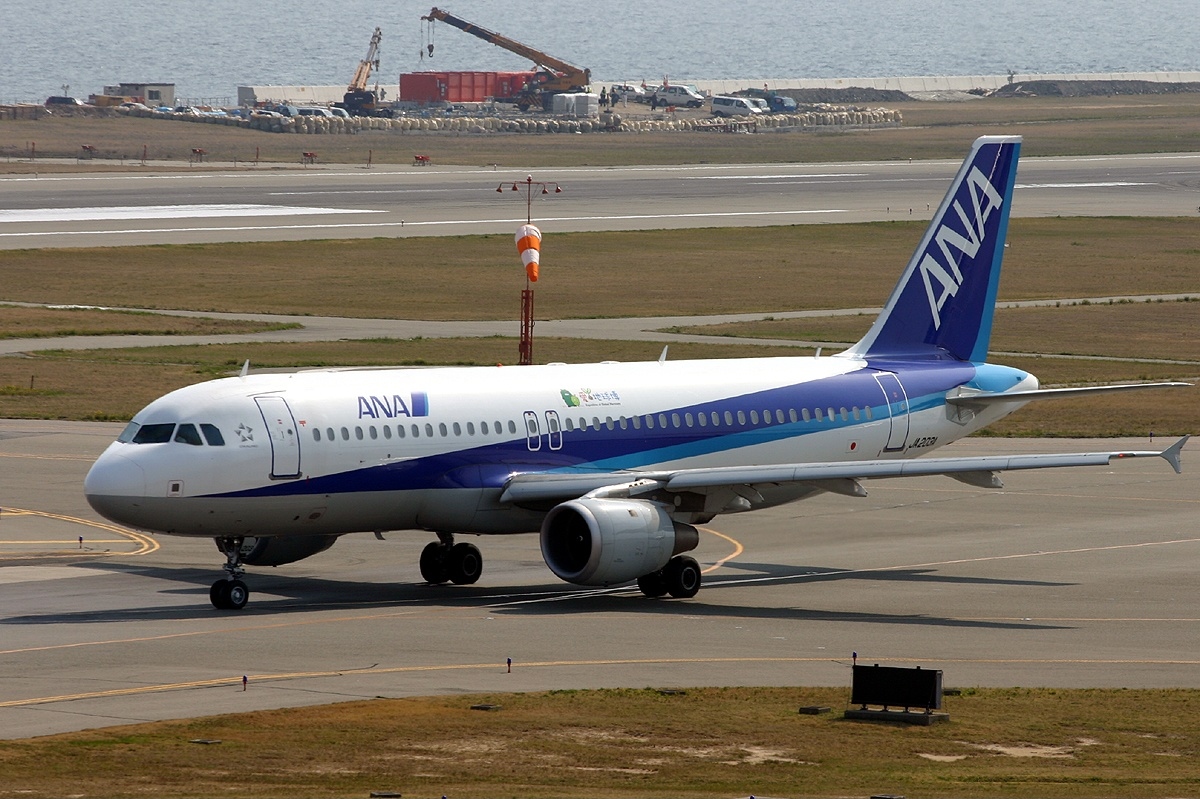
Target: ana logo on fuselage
392 406
946 273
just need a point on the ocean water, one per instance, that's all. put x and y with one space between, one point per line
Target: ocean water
210 47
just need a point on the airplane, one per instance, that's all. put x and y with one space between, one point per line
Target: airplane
612 464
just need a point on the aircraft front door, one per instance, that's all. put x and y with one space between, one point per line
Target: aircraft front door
896 401
285 441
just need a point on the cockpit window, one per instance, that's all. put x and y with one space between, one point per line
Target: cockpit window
128 433
187 434
212 435
154 434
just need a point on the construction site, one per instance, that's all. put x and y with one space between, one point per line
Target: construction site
552 96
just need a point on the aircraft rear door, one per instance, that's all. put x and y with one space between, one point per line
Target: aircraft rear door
285 441
896 401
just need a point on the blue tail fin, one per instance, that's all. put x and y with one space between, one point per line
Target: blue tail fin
948 292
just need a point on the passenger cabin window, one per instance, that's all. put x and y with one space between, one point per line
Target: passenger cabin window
188 434
154 434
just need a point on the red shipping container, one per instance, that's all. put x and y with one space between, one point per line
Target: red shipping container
461 87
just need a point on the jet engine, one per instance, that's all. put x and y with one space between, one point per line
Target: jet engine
278 550
594 541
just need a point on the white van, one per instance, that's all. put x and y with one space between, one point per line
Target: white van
314 111
734 107
678 95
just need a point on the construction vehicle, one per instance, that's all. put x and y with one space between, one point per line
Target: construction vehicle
359 101
553 75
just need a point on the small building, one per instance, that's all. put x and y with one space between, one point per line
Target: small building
152 94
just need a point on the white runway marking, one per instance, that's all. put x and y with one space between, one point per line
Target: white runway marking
1079 185
249 228
164 212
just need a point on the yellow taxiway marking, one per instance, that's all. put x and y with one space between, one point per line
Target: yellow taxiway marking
738 549
145 542
236 681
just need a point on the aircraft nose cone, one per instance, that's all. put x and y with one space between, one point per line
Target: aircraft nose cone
113 485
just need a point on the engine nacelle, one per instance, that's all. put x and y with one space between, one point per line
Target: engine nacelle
278 550
611 541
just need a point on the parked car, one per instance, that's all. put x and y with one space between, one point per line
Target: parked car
677 95
61 100
625 91
734 107
776 103
313 111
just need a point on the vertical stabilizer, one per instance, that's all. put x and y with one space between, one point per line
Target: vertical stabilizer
947 294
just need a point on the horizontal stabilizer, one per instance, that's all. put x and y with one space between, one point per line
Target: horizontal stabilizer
986 398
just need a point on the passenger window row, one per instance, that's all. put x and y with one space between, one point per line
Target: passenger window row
426 430
717 419
649 422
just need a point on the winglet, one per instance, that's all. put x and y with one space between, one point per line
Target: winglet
1171 454
245 369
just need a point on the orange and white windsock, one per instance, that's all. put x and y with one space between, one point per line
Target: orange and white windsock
529 244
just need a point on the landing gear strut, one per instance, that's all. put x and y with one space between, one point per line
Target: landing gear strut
445 561
680 578
230 593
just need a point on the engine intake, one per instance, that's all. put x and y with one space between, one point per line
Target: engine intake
593 541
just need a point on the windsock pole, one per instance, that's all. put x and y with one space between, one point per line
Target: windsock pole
529 242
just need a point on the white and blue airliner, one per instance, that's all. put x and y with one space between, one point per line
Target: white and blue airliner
613 463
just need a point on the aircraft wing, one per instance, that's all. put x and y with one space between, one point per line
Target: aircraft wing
838 476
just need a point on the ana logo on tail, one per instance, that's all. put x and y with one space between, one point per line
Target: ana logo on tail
984 200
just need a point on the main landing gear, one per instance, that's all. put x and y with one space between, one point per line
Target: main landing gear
444 561
230 593
680 578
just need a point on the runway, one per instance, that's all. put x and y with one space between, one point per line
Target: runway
1073 578
106 209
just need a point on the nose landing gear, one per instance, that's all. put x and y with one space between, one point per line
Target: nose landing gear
230 593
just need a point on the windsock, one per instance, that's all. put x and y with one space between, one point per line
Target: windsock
529 244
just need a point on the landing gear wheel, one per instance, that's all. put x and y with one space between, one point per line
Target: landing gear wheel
464 564
682 576
653 584
236 595
433 563
229 594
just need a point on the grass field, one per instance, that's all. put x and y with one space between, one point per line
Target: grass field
706 742
780 268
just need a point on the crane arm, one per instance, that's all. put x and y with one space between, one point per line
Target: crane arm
543 60
363 73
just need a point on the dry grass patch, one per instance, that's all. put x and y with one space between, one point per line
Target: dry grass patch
23 322
706 271
627 743
1145 330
